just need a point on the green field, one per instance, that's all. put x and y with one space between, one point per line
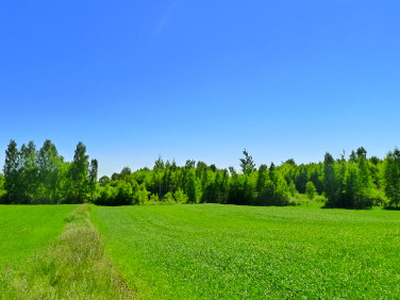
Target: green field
220 251
26 229
198 251
54 263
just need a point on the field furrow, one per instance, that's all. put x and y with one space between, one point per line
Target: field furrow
220 251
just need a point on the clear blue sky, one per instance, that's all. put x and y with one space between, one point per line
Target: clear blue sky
200 80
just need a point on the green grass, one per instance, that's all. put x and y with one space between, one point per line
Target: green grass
221 251
73 266
198 251
25 229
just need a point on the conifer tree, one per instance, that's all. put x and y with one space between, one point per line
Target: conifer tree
247 164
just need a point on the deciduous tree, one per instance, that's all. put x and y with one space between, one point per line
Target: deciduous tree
11 171
78 173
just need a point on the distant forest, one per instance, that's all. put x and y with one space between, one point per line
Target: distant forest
32 176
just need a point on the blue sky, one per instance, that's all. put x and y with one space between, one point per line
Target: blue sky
200 80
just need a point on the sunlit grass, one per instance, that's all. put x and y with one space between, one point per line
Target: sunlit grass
220 251
71 267
25 229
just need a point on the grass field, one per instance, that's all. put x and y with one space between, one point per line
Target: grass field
71 266
221 251
198 251
26 229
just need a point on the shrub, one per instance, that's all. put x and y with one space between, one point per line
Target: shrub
310 190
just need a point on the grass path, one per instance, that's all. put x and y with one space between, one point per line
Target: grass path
72 267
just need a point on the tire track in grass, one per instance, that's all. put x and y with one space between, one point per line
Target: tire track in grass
74 266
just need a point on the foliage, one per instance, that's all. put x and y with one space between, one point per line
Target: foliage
349 184
2 188
78 174
392 178
247 163
310 190
180 196
32 176
41 176
11 171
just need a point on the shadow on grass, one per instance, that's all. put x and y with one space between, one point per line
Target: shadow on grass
392 208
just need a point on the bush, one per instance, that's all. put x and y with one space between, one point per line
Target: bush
311 191
168 198
180 196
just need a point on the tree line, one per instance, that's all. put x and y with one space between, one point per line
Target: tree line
32 176
42 176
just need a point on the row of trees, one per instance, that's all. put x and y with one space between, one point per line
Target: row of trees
42 176
194 183
353 182
31 176
360 182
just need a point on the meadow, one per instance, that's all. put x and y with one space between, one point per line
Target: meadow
26 229
69 266
202 251
221 251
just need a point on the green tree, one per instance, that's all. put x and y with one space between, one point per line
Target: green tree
29 174
292 189
208 186
125 193
168 198
356 184
11 171
48 172
290 161
361 153
262 176
221 186
365 186
392 177
180 196
78 174
301 179
248 189
331 185
266 194
247 164
157 180
93 170
315 175
281 192
104 180
193 187
351 185
140 195
310 190
2 189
